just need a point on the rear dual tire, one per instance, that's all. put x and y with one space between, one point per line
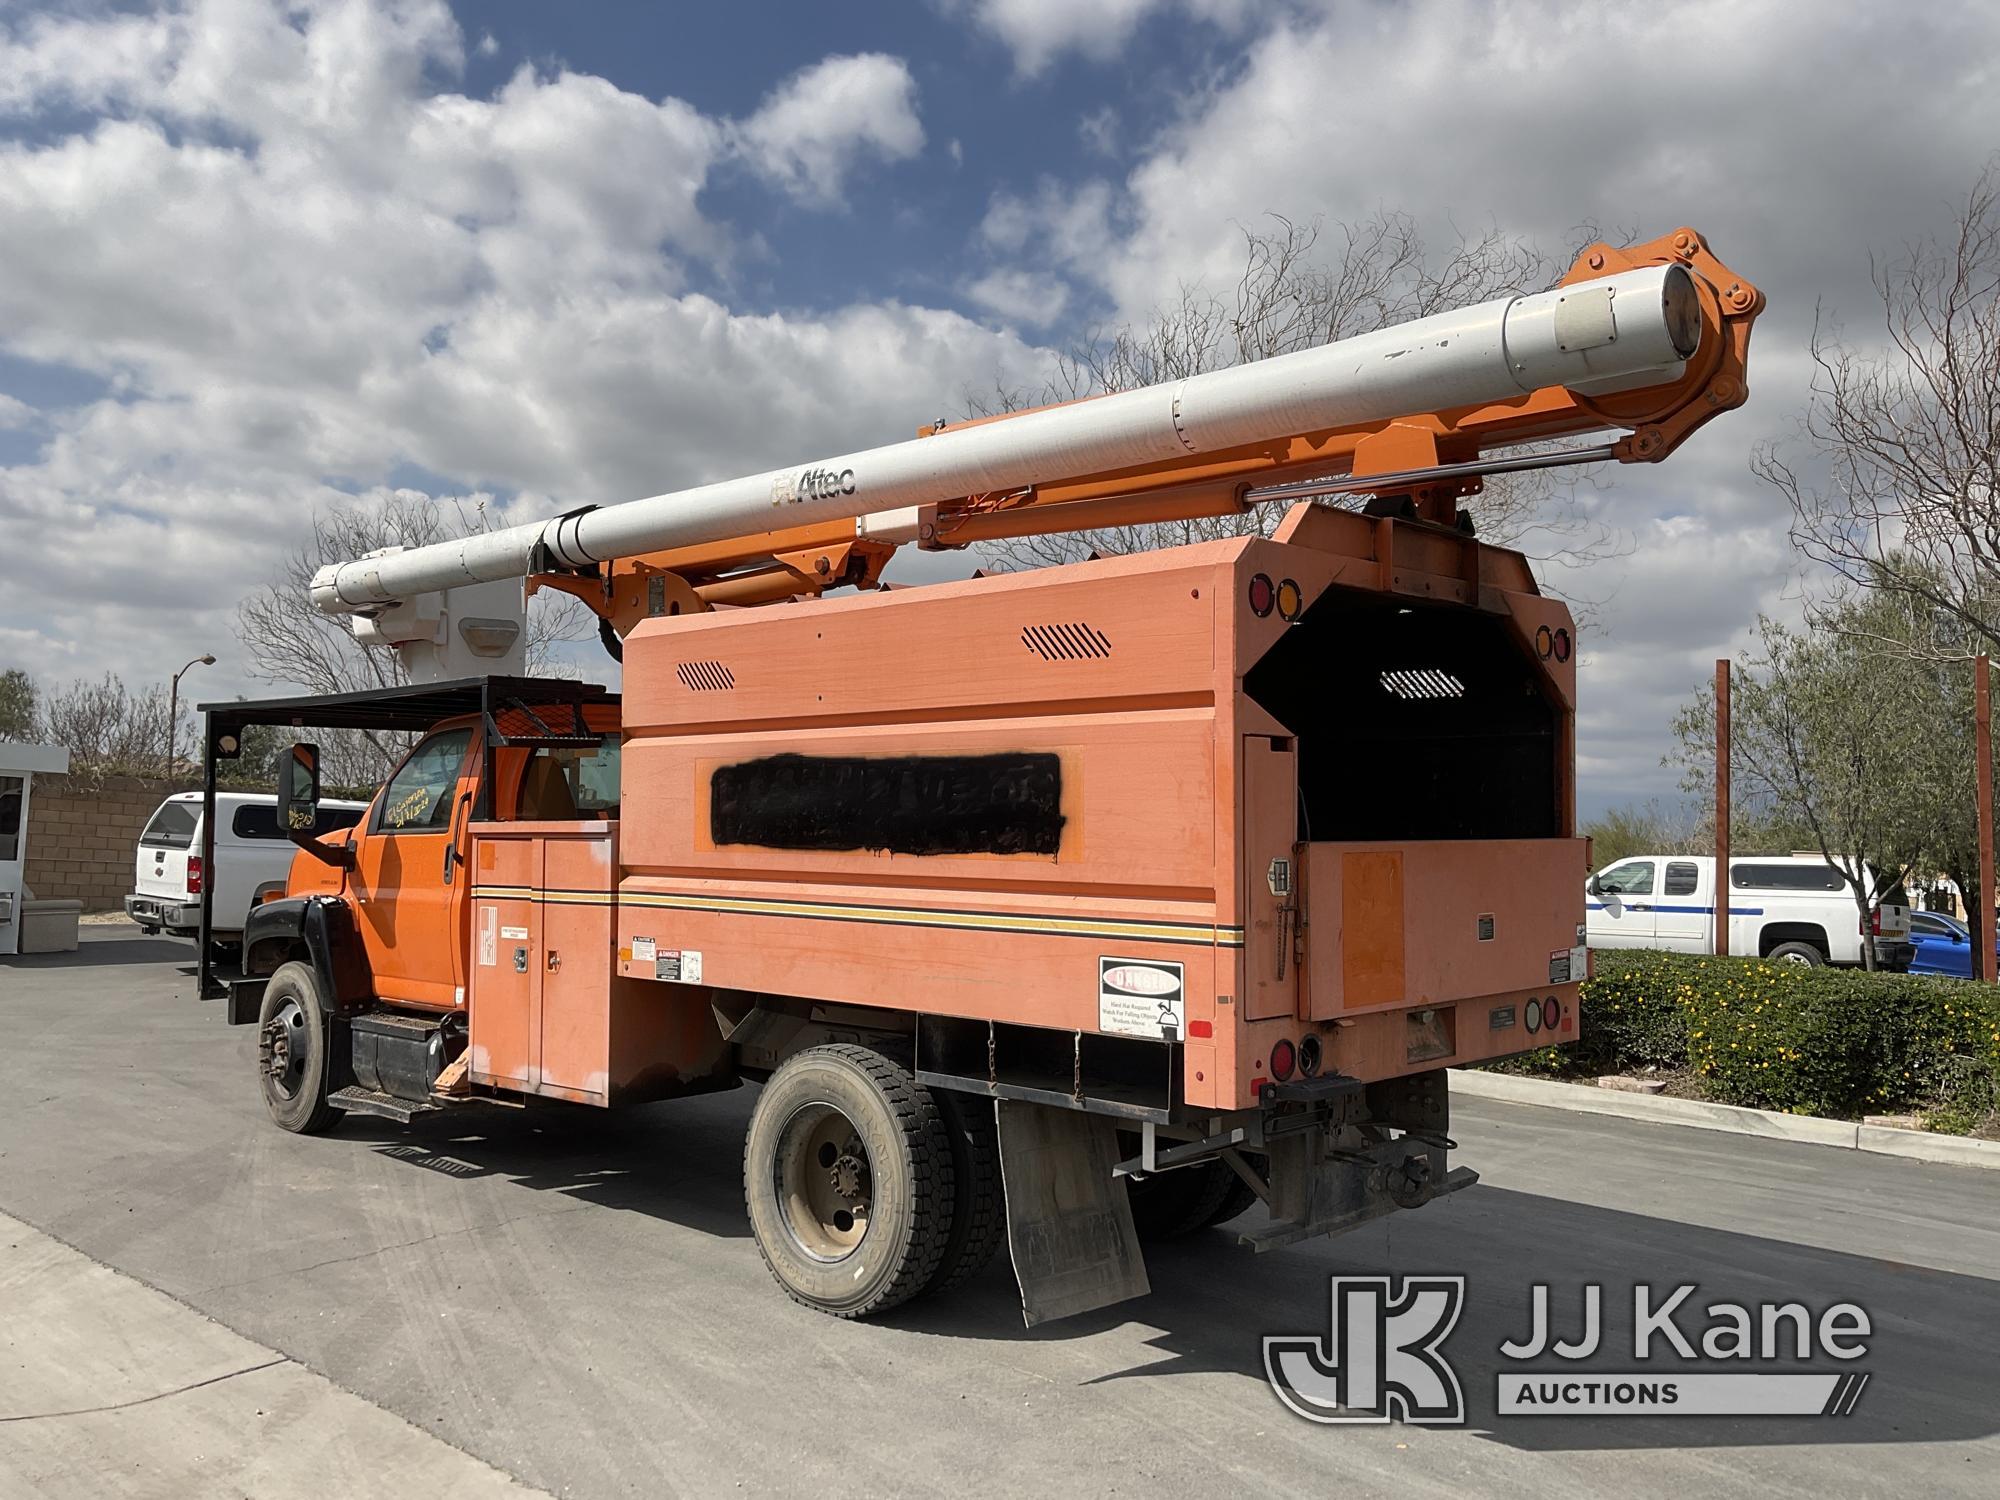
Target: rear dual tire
865 1189
1187 1200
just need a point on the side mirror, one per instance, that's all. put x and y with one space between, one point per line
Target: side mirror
1594 886
1957 937
298 789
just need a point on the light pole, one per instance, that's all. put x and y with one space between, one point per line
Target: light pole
174 707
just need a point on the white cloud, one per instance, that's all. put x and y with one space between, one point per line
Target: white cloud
1098 131
812 130
300 265
1037 32
1068 223
15 413
1020 296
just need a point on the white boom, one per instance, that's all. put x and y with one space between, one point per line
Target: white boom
1636 328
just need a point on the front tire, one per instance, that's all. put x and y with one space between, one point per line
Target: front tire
292 1041
847 1175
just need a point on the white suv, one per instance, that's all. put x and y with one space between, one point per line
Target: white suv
1792 907
252 853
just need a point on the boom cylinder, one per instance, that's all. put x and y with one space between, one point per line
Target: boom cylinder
1636 328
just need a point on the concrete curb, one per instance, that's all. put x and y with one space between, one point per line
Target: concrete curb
1915 1145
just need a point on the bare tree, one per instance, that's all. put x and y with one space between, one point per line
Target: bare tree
107 729
1301 286
1898 485
288 641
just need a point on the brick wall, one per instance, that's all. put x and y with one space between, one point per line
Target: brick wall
83 842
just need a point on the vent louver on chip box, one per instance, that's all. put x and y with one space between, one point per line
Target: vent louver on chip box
705 676
1073 642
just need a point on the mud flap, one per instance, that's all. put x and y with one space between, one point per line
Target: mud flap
1069 1226
1314 1192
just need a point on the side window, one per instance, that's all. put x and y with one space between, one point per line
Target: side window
12 789
1681 879
258 820
559 785
418 800
1633 878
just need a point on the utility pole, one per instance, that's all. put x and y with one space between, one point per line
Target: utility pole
174 708
1982 739
1722 807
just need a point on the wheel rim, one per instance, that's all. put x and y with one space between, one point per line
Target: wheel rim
825 1182
285 1047
1798 958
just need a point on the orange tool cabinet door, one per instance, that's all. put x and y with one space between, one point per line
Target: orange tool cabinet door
1268 832
411 905
576 965
505 1027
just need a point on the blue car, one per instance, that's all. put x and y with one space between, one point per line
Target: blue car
1944 945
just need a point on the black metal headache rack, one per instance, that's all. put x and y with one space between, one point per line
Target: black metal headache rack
514 711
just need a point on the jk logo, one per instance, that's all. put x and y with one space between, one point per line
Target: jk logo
1380 1359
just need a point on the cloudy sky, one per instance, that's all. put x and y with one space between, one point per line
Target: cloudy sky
257 256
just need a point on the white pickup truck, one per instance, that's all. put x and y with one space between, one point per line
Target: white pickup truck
1792 907
252 853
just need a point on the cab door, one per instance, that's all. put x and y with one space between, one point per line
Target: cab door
1621 908
409 878
1683 912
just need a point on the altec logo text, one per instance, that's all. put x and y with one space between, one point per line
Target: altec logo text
1383 1357
822 484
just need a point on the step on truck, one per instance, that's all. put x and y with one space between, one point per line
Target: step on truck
1065 910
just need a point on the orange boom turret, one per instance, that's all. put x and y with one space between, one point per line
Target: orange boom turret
1071 908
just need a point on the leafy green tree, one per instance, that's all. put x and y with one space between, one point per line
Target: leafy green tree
17 705
1649 827
1830 735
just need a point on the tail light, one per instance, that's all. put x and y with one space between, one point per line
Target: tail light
194 875
1284 1057
1874 927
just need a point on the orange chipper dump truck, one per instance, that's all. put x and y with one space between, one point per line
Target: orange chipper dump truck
1066 909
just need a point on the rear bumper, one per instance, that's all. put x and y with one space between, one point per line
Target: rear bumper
1894 955
177 917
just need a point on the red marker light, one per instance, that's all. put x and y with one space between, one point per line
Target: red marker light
1551 1013
1262 595
1201 1028
1562 645
1284 1057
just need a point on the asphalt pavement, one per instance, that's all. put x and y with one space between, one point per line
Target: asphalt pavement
572 1297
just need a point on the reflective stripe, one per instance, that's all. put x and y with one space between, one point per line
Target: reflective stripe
1045 924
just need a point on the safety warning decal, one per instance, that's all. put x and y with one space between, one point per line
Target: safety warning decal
683 967
644 950
1141 997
